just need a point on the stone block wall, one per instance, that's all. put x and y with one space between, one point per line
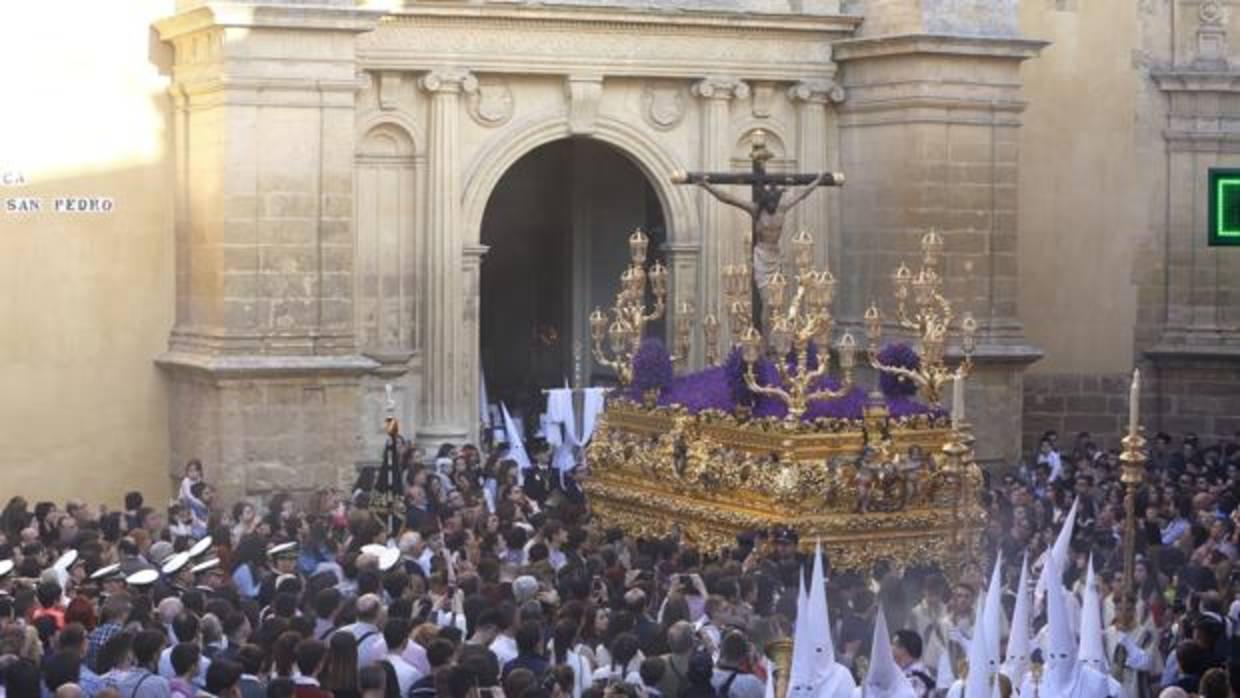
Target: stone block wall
992 392
1202 397
285 434
1069 403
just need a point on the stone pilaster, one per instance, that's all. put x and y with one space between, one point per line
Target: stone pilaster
929 132
471 271
717 141
262 365
1189 292
682 265
448 353
816 127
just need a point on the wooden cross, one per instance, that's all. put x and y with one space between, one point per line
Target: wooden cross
765 207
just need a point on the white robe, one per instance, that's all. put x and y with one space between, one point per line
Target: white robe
1140 658
1086 683
933 629
839 683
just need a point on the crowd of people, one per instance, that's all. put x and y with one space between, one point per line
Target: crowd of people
496 583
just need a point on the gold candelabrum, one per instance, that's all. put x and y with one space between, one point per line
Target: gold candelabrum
622 333
929 317
792 327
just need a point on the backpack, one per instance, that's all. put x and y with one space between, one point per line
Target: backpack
926 679
364 638
391 683
697 682
726 688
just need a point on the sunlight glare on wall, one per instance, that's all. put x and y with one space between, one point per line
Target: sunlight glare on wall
76 109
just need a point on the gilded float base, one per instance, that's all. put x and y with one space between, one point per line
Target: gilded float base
713 477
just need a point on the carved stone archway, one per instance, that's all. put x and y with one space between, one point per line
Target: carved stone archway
510 144
523 136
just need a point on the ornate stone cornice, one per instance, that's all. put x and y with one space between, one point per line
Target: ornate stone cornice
252 366
232 14
1189 80
1177 348
285 85
449 80
942 44
1187 140
817 92
627 19
720 87
561 40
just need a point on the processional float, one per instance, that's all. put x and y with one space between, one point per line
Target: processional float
778 433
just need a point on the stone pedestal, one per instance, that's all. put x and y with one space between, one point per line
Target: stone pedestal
928 139
263 365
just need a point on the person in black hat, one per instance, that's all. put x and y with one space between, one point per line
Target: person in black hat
284 563
786 540
210 579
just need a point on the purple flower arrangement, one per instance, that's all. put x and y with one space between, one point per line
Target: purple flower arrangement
848 406
734 369
652 366
697 392
904 356
723 388
899 407
811 358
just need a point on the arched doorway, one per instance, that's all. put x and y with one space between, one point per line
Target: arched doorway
557 227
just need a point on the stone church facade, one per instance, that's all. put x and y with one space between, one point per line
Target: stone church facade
334 164
330 163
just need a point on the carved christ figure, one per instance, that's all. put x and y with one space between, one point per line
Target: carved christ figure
767 213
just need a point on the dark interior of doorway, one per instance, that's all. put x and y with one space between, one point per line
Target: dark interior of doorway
557 226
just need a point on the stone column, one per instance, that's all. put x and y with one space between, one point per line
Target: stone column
262 367
929 133
448 352
814 133
717 142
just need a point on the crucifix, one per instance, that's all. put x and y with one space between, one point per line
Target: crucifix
766 207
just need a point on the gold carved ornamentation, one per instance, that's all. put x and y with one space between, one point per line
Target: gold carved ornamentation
848 483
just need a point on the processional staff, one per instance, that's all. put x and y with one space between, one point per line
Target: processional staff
1132 474
388 488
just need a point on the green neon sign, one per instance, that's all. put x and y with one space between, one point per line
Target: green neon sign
1224 206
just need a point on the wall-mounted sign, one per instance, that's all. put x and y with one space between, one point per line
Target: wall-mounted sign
1224 203
57 204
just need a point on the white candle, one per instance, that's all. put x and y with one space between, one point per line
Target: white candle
957 400
1134 402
